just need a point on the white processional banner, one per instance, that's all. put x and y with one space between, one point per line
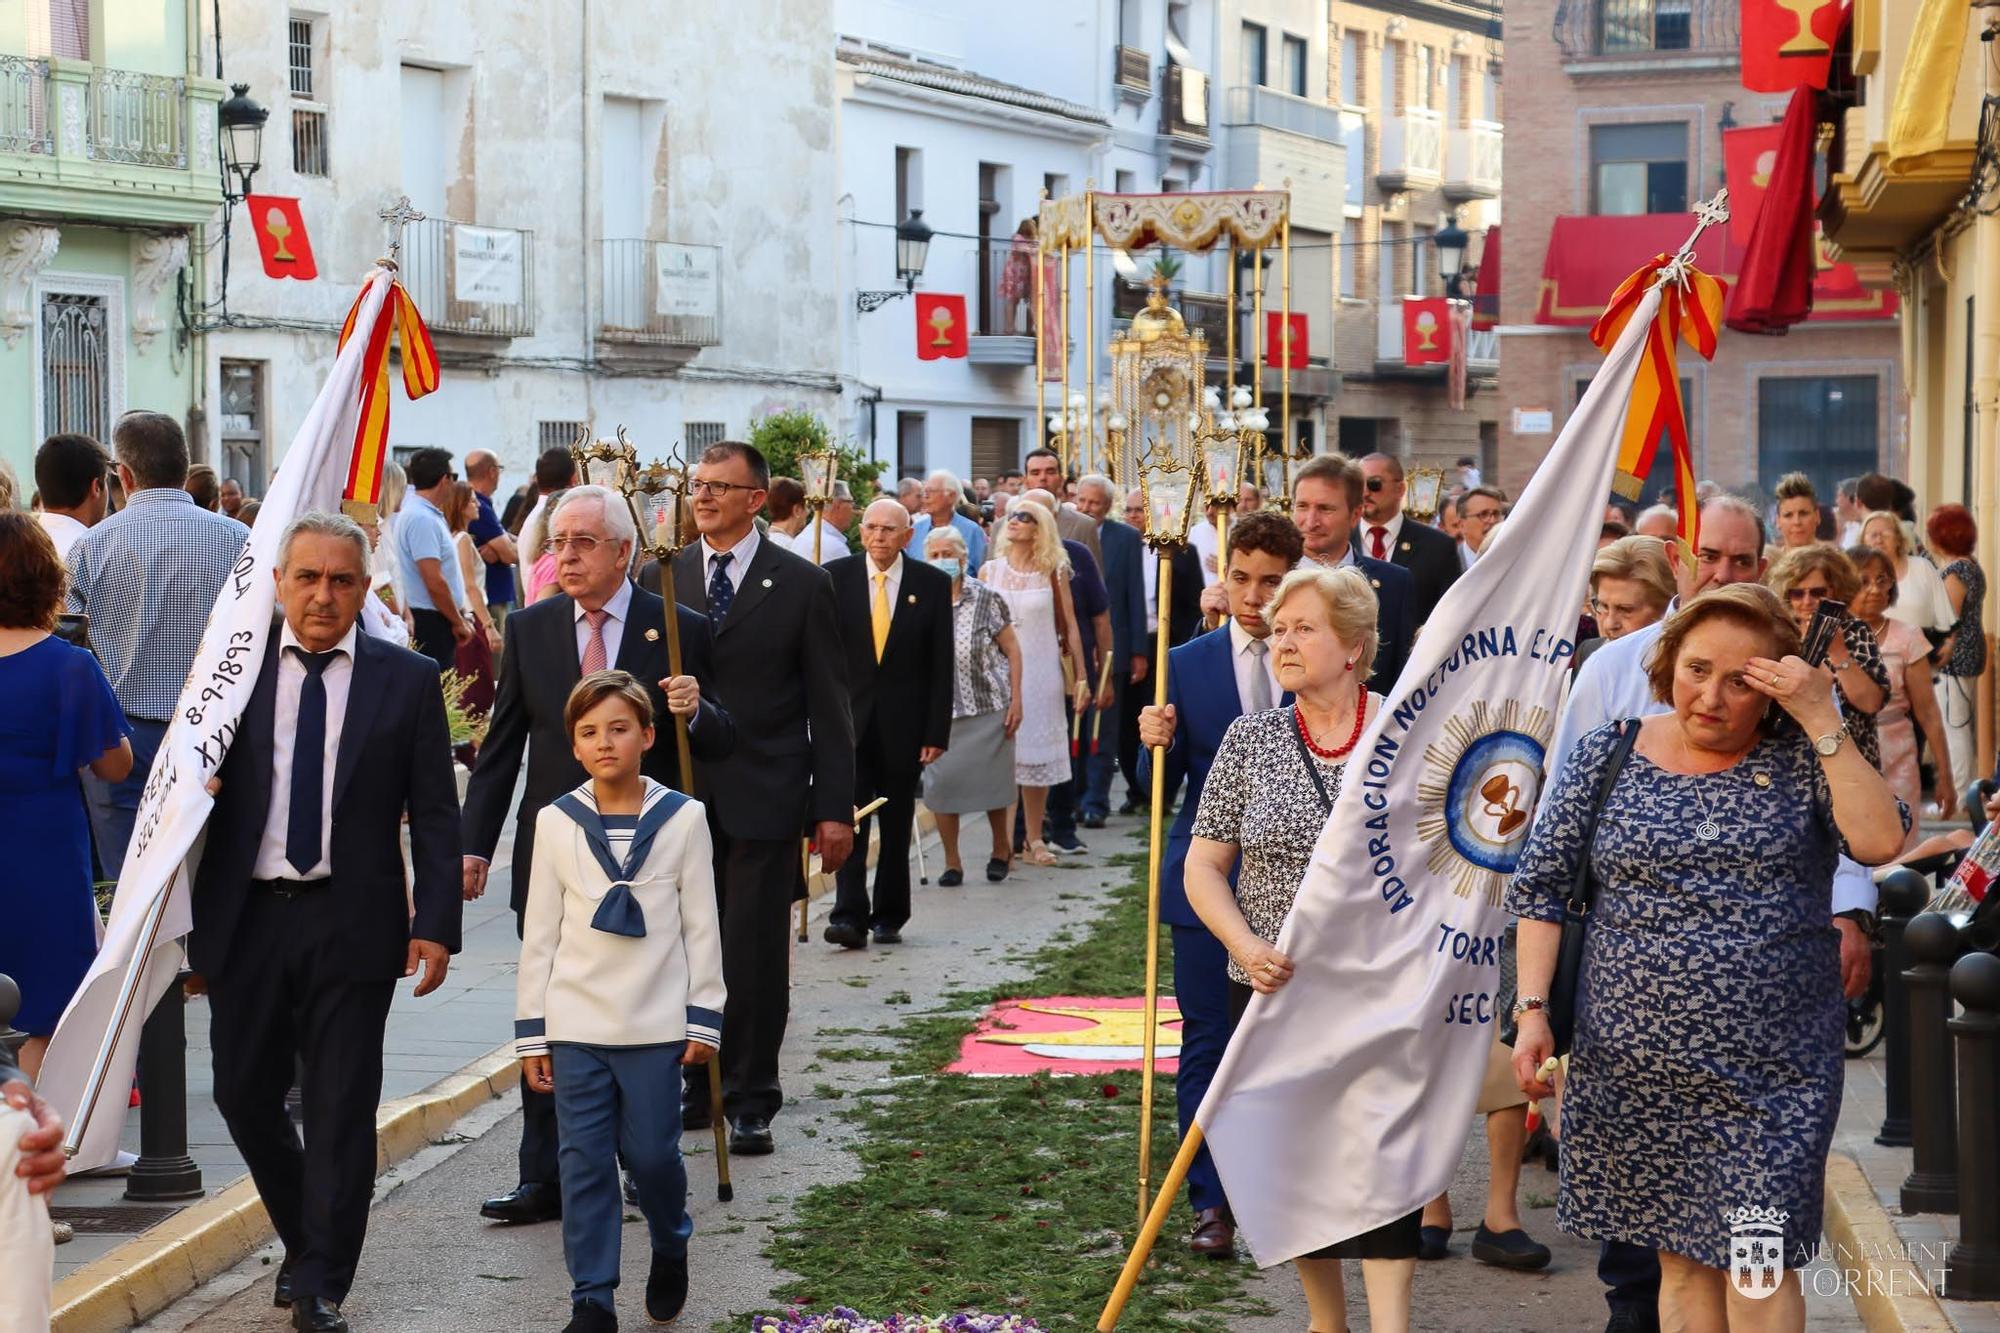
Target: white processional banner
176 802
1344 1099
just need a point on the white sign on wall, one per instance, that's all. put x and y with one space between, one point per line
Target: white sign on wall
486 265
687 283
1533 421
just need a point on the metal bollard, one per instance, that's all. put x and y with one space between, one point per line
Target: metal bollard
164 1171
1932 1185
11 1041
1972 1270
1903 895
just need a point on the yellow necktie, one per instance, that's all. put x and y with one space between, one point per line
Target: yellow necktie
881 611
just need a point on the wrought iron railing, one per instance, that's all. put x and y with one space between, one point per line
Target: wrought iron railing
24 106
659 292
1482 346
471 279
1647 27
138 118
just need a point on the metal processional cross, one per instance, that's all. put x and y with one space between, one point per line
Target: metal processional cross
398 215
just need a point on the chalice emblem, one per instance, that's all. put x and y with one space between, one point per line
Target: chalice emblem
279 229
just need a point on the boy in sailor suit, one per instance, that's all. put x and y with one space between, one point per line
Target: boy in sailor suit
620 985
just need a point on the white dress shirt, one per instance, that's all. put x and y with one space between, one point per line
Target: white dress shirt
1391 530
740 556
832 542
63 531
337 676
1346 558
1245 662
895 582
1466 555
620 607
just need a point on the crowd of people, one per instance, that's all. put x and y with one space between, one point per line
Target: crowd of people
989 650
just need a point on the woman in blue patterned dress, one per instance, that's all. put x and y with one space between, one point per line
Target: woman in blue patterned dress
1706 1074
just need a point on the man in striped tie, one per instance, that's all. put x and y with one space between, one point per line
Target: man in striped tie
899 680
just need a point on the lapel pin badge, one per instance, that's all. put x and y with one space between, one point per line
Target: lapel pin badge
913 599
652 636
1406 546
1762 779
767 583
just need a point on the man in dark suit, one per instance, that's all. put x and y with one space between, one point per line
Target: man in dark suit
778 651
1326 492
896 623
1183 623
1212 680
1386 533
600 620
301 924
1125 582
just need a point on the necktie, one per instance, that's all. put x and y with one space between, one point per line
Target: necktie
1260 679
721 592
304 837
881 611
1376 535
593 647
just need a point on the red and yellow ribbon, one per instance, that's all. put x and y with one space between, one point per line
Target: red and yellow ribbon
420 376
1691 312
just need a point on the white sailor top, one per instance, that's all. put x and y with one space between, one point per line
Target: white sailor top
620 943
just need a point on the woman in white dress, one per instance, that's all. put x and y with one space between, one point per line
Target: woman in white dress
1033 575
1920 597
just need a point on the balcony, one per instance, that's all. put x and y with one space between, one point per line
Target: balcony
470 279
662 296
1621 36
1472 162
1184 106
78 140
1203 312
1412 151
1273 136
1482 348
1002 281
1132 73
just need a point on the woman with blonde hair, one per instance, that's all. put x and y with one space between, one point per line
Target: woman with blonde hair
1921 602
1805 576
1630 585
1798 511
1272 784
1033 574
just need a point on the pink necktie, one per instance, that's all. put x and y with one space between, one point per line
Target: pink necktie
1376 535
593 649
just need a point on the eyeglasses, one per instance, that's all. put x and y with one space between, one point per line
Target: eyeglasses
1480 515
1807 594
718 488
581 545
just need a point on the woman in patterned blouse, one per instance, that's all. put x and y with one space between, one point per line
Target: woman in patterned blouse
1804 576
1960 659
1268 794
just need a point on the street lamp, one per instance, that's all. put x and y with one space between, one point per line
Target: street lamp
242 136
913 247
1451 241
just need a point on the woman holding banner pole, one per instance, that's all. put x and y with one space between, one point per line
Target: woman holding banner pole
1268 795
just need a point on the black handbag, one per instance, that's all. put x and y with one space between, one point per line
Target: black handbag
1568 979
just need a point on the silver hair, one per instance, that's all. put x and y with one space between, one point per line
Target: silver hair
950 481
841 491
904 486
1105 484
949 535
322 524
617 514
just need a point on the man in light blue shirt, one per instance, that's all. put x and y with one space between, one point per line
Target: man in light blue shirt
429 583
942 496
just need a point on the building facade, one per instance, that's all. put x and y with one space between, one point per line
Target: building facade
109 176
629 219
1622 136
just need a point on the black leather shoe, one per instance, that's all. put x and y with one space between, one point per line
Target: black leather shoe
281 1295
1433 1242
888 935
951 878
590 1317
1092 821
317 1314
1509 1249
526 1204
847 937
996 870
629 1188
1131 808
666 1287
695 1115
751 1137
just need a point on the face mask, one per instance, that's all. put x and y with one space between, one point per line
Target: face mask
949 564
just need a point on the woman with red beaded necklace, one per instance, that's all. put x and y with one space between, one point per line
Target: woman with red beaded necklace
1273 782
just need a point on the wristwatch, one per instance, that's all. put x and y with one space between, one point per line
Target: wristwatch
1829 744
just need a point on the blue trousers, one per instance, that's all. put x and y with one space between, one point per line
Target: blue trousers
1201 987
1098 768
1631 1276
612 1103
114 806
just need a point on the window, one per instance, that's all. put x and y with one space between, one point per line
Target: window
1489 92
911 455
1420 257
242 424
76 364
703 435
625 185
1639 168
1295 66
424 146
1646 25
1056 184
1124 182
1426 79
69 28
1392 59
1386 248
909 181
1349 258
556 434
1824 427
309 157
996 446
1350 68
1130 12
1255 52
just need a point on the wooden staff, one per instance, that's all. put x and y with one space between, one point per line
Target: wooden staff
805 845
1150 1222
1222 513
1155 848
1103 684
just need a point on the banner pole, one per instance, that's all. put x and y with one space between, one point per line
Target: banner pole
1155 849
128 996
1149 1231
805 844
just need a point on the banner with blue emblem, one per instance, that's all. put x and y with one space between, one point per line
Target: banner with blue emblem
1345 1097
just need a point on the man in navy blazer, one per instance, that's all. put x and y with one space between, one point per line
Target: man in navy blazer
301 924
1125 581
1326 496
1211 681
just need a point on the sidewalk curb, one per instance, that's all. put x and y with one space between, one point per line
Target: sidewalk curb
151 1271
1890 1295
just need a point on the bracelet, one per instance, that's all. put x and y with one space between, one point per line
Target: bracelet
1529 1004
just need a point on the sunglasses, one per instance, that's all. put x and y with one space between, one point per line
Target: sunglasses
1020 518
1375 483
